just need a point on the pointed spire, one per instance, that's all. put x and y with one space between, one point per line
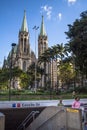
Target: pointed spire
24 26
42 30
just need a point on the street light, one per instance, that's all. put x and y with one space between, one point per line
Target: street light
10 69
35 28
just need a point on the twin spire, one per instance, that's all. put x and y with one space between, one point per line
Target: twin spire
42 30
24 27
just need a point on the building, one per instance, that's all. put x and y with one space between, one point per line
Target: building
22 56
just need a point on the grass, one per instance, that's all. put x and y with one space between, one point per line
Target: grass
32 96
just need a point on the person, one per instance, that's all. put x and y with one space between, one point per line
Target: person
60 103
73 94
76 103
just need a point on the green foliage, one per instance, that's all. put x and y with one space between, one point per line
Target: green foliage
66 73
4 77
78 41
40 95
6 74
16 72
31 74
24 77
81 89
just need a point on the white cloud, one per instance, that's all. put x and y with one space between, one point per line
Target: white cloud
48 10
59 16
71 1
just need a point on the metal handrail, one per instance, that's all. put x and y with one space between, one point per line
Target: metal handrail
23 124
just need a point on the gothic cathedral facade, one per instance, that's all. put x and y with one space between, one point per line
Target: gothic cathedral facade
22 56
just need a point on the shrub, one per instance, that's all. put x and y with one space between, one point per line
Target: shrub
81 89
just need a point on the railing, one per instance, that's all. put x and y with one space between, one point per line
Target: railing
22 126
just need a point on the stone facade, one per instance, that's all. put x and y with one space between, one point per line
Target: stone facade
22 57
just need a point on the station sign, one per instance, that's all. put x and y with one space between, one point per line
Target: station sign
25 104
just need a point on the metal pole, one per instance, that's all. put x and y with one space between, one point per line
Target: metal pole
35 28
10 69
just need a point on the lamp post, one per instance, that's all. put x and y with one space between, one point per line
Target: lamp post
35 28
10 69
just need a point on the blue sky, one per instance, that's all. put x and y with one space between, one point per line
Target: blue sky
57 15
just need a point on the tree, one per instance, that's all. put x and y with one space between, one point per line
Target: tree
24 80
56 56
54 53
78 43
66 73
43 61
5 74
31 74
4 77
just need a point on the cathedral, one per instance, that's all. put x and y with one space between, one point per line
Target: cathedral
23 57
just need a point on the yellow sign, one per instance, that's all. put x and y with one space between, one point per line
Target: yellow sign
72 110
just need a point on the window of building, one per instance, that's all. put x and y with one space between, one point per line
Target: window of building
24 66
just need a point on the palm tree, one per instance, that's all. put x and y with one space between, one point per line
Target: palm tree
50 57
56 56
62 51
59 52
43 61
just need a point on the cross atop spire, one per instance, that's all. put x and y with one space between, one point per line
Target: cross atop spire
42 30
24 26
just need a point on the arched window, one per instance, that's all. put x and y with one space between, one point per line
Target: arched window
25 45
22 42
24 66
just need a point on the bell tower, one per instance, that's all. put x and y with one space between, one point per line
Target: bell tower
42 46
42 39
23 52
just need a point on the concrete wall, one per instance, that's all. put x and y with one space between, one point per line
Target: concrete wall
55 122
2 121
74 119
49 119
57 118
